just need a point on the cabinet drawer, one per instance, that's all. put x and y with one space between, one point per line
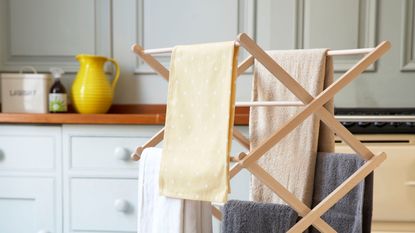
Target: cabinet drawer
28 205
394 197
22 152
103 152
394 184
103 205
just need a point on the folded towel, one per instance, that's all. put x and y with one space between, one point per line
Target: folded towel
292 160
197 217
253 217
353 213
199 121
156 214
159 214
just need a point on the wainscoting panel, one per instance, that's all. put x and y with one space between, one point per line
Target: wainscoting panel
47 33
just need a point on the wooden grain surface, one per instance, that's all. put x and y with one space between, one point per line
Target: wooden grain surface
118 114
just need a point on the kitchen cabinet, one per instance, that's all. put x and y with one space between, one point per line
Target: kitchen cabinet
80 178
30 179
76 178
100 181
69 178
394 183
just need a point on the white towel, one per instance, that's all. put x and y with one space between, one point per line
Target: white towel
159 214
156 214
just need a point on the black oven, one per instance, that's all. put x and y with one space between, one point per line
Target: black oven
377 120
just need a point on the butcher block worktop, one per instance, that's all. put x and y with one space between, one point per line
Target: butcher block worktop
118 114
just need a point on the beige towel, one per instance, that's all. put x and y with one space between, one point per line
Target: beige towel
199 121
292 160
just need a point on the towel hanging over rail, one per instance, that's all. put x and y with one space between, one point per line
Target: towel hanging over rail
312 105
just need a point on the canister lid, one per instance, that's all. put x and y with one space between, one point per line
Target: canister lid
24 76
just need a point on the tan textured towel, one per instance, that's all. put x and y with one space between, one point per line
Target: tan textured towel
292 160
199 121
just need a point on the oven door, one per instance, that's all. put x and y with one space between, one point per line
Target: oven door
394 187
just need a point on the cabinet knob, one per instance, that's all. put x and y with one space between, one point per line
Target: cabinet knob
122 205
1 155
43 231
122 153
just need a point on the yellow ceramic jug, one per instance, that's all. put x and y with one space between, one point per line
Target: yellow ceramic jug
91 90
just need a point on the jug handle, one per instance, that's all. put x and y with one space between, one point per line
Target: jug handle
117 73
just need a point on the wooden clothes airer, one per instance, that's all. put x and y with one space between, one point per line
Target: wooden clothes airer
310 105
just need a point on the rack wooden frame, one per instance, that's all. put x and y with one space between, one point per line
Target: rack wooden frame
310 105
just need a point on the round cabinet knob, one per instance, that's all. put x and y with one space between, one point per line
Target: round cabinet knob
121 205
43 231
1 155
122 153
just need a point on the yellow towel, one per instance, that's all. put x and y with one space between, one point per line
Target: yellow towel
199 120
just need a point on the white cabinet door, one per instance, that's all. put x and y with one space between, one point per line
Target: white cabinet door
27 205
100 179
30 179
103 205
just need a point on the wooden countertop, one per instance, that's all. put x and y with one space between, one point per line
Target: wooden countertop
118 114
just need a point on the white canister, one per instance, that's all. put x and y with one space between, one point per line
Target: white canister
25 93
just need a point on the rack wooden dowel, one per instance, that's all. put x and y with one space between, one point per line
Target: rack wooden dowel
240 137
156 139
216 213
169 50
348 52
342 52
151 61
269 104
245 64
238 157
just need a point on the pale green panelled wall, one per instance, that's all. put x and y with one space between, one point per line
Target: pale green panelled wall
47 33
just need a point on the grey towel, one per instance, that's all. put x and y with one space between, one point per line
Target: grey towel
254 217
353 213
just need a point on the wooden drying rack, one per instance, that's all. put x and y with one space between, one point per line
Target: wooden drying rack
309 106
